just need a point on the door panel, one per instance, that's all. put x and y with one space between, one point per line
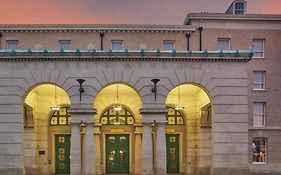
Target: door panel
62 153
172 145
117 153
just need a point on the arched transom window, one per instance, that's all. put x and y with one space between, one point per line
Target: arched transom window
60 118
113 117
174 117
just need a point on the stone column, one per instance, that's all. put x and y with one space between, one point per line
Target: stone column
89 149
147 153
138 157
98 149
79 114
161 148
75 148
155 112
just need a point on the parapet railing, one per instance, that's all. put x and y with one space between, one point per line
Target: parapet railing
49 54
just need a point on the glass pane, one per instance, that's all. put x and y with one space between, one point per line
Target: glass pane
169 45
223 44
64 44
117 45
258 48
259 150
12 44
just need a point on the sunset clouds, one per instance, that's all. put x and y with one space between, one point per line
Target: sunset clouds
117 11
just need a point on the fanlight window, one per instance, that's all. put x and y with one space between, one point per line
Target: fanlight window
113 117
174 117
60 118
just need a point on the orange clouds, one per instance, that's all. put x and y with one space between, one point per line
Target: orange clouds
117 11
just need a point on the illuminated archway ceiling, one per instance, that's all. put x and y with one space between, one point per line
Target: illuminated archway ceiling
127 96
191 97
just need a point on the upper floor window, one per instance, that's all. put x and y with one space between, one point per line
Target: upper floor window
259 113
259 80
64 44
169 45
224 44
117 45
258 48
12 44
239 8
259 150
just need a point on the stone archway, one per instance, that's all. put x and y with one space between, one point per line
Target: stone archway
117 123
39 131
191 102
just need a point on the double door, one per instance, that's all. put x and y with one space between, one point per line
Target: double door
117 153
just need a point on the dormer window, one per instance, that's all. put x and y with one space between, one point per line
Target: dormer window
239 8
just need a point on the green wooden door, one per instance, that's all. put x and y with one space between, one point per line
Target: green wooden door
172 146
62 152
117 153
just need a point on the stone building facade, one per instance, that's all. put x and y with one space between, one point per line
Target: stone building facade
141 99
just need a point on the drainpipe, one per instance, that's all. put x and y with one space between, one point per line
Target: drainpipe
187 35
0 38
101 40
200 29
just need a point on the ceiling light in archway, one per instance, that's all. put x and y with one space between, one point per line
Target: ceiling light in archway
117 107
55 107
179 107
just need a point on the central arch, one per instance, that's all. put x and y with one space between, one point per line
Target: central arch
118 116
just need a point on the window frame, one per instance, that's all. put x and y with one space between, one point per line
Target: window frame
259 83
259 51
122 45
171 41
60 41
263 115
224 39
239 9
265 150
7 44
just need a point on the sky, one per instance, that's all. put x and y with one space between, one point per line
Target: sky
118 11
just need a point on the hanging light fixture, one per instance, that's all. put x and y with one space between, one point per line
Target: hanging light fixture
117 107
55 107
179 107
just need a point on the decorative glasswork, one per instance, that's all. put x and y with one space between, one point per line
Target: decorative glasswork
61 117
174 117
112 117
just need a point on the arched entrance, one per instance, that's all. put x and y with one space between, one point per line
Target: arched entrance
46 131
188 130
118 117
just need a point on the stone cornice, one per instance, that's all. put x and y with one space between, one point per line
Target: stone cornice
93 28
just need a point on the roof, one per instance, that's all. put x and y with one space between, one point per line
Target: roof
93 27
223 16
